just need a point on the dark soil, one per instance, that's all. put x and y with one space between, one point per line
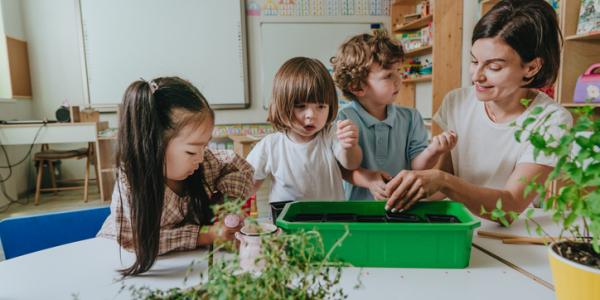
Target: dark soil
582 253
442 218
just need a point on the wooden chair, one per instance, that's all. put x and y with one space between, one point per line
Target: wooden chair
50 156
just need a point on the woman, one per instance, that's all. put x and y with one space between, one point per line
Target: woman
515 50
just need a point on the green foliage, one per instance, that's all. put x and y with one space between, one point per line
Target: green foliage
579 198
296 267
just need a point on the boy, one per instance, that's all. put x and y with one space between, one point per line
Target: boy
392 138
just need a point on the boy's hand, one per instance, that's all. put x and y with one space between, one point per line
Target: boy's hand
443 142
347 134
377 181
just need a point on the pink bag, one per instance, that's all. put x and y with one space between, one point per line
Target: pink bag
588 85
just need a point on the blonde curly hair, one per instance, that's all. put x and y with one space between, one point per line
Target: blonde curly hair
354 57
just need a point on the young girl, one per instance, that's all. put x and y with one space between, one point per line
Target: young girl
303 156
167 179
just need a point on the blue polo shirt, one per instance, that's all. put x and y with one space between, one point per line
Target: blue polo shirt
388 145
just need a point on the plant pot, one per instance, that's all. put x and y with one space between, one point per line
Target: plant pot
370 219
308 218
441 218
251 245
573 280
402 217
276 208
340 218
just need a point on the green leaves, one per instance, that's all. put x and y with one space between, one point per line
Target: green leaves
576 206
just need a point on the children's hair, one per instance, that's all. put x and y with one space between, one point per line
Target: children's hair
354 57
152 113
301 80
531 28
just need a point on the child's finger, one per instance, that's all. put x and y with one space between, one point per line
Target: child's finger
343 123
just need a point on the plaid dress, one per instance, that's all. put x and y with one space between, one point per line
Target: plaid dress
224 171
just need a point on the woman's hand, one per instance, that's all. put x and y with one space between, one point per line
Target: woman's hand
408 187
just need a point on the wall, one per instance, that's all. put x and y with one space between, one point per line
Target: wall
471 15
11 25
54 50
55 60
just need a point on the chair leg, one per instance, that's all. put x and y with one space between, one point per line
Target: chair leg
38 183
86 179
95 162
52 176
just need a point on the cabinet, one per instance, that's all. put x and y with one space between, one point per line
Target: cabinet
445 49
15 81
18 69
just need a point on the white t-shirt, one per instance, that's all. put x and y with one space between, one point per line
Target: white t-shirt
307 171
486 153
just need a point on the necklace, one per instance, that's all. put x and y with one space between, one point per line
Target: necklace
530 96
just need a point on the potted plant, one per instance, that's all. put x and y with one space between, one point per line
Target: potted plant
575 205
293 266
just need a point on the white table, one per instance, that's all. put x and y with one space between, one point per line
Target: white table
62 133
51 133
87 269
531 258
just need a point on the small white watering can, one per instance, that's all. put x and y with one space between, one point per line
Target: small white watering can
250 245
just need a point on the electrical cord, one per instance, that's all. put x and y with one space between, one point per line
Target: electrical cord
9 166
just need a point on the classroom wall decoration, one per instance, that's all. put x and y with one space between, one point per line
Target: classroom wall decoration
317 8
589 16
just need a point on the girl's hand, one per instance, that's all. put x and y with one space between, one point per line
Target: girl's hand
376 183
222 231
443 142
347 134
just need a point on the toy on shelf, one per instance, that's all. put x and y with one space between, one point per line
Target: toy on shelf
588 85
426 68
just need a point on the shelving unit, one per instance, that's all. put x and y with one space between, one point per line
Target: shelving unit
486 5
418 51
418 79
416 24
446 49
578 54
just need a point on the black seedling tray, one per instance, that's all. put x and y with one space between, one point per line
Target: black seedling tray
442 218
402 217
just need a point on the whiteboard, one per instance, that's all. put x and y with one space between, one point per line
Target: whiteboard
282 41
202 41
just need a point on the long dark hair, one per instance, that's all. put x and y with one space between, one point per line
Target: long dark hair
531 28
151 115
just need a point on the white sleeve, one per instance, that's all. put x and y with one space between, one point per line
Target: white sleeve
442 115
259 158
561 116
331 139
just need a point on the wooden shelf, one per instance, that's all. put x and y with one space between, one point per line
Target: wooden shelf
418 79
584 37
416 24
418 51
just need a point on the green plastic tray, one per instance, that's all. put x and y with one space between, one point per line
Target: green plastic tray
394 245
